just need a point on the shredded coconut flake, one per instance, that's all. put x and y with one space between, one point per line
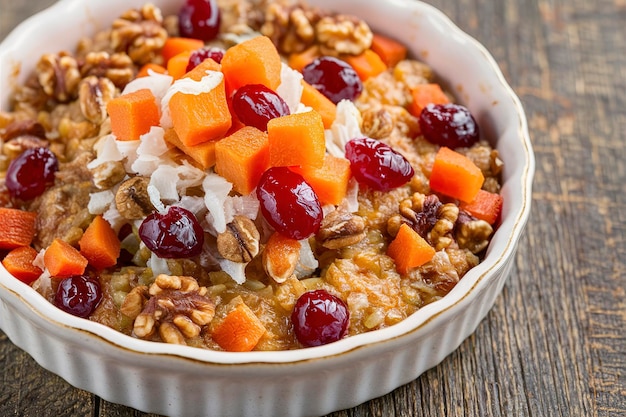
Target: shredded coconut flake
307 264
192 203
188 86
352 196
155 198
236 270
155 82
158 265
164 180
216 190
290 88
247 205
114 218
347 126
107 151
99 202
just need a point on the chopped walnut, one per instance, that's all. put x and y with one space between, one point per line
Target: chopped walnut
240 241
377 123
341 228
411 72
440 236
59 76
116 67
140 34
472 234
93 95
14 147
177 308
19 128
343 34
132 199
290 27
108 174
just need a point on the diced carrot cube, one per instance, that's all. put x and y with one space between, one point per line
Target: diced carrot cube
297 140
133 114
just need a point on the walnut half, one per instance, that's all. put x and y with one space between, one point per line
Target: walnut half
174 307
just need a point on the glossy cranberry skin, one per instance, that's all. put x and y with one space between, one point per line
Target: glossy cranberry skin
319 318
377 165
288 203
334 78
450 125
31 173
78 295
173 234
256 104
199 55
199 19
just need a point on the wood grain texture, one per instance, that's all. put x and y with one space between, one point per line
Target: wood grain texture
555 342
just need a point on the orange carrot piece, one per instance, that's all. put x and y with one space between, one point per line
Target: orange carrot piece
19 263
254 61
367 64
133 114
299 60
17 228
409 250
425 94
63 260
143 71
389 50
242 158
203 153
297 140
200 118
320 103
330 181
281 250
240 331
175 45
455 175
177 65
99 244
486 206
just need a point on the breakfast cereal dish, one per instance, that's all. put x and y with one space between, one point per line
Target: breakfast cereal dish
242 175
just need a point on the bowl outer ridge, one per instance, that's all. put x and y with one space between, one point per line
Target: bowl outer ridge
174 381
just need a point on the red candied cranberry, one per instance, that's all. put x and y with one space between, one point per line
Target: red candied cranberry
199 19
173 234
450 125
199 55
256 104
334 78
78 295
319 318
377 165
31 173
288 203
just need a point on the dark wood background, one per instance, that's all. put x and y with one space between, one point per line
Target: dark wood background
555 342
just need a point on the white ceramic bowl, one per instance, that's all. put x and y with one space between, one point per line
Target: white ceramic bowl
179 380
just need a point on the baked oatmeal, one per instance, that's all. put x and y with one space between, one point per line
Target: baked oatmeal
259 175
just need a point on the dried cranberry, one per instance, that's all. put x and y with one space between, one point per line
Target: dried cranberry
199 19
31 173
319 318
377 165
174 234
288 203
450 125
78 295
334 78
255 105
199 55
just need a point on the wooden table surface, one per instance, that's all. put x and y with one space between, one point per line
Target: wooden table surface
555 342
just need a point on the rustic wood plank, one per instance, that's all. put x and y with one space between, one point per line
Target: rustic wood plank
554 343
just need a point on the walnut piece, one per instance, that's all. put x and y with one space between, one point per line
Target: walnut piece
118 67
140 34
177 309
472 234
290 27
132 199
59 76
93 94
341 228
377 123
240 241
343 34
